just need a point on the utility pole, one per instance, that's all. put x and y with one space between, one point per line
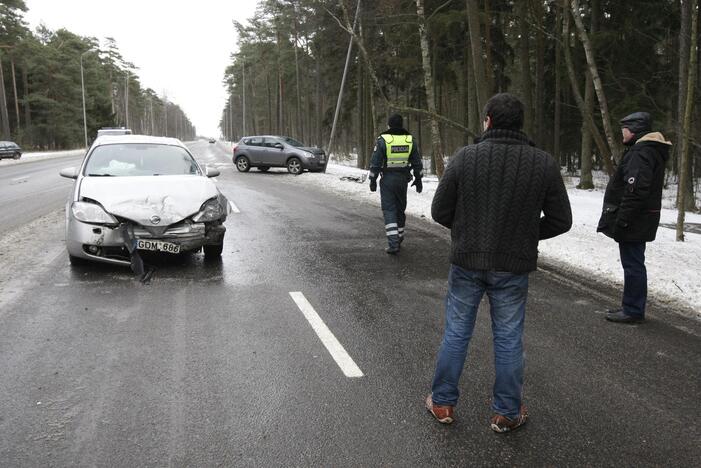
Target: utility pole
165 114
126 99
343 85
3 103
82 91
244 98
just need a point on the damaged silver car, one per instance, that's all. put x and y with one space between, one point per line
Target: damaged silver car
140 193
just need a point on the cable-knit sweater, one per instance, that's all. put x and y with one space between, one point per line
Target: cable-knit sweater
491 196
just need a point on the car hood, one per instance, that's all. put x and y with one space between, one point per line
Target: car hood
312 149
171 198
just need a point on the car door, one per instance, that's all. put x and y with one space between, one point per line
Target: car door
256 151
3 150
274 156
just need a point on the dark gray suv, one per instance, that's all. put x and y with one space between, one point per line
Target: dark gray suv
269 151
9 149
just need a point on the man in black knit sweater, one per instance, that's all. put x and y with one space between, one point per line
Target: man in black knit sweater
491 198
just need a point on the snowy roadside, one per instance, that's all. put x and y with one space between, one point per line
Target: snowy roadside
673 268
40 156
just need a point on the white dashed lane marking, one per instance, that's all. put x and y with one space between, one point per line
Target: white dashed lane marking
335 348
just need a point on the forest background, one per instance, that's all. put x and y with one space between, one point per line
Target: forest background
578 65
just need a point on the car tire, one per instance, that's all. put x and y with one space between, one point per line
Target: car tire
294 166
17 156
264 168
213 251
243 164
76 261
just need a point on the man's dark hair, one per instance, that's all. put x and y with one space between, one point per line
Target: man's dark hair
395 121
505 110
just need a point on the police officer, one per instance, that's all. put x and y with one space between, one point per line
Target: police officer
395 154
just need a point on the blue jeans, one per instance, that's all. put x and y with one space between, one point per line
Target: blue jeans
634 278
507 294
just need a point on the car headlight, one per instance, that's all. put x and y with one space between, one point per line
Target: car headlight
211 211
92 213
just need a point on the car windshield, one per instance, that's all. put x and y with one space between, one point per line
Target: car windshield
141 159
293 142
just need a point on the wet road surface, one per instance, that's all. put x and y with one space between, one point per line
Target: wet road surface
215 364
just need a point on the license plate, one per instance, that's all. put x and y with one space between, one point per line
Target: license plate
159 246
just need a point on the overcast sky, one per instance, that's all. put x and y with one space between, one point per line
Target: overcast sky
179 47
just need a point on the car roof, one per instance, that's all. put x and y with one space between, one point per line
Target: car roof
265 136
137 139
8 143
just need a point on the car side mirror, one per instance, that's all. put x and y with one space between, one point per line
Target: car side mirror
211 172
279 146
69 172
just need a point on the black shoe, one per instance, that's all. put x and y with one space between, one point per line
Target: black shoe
621 317
392 250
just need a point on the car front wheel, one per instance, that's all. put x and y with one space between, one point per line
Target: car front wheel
294 166
213 251
16 156
243 164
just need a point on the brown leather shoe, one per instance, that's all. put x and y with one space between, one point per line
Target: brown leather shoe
502 424
444 414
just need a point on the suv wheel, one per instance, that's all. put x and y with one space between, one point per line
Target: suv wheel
243 164
16 156
294 166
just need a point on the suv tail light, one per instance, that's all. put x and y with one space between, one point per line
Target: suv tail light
236 145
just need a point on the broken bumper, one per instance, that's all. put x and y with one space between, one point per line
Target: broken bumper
107 244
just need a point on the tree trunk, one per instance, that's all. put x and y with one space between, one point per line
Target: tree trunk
3 106
477 56
683 47
525 68
14 87
598 85
558 87
27 110
586 181
436 147
540 73
588 118
300 123
684 165
361 150
489 70
689 197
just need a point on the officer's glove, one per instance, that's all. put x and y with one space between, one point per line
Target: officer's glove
419 185
373 184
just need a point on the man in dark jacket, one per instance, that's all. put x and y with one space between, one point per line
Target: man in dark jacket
491 197
631 212
394 155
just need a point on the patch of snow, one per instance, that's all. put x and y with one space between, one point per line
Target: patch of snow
40 156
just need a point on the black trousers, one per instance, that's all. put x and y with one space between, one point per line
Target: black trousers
393 189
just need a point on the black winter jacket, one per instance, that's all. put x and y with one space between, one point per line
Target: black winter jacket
633 197
491 197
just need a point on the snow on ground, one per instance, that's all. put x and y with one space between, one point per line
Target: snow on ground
39 156
674 271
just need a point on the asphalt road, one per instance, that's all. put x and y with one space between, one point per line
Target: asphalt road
214 364
31 190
